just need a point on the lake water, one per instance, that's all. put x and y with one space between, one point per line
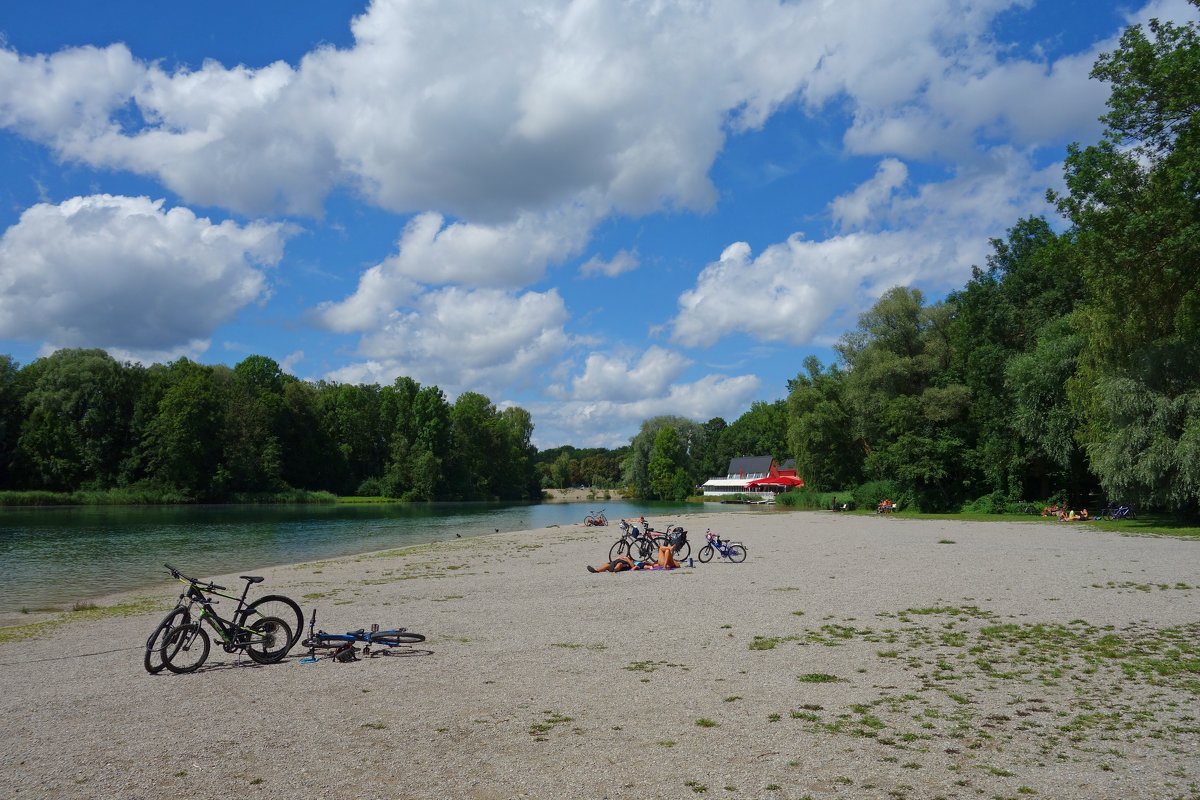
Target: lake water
58 556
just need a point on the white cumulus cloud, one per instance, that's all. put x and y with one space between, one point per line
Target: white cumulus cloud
461 339
792 289
127 273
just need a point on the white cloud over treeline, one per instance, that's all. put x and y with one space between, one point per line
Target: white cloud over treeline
501 135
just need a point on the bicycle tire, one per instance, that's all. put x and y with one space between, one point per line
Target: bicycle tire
154 645
705 555
619 548
279 606
395 638
271 641
186 648
737 553
682 551
642 549
326 641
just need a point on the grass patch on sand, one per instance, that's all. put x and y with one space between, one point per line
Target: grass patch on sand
82 612
1006 696
550 720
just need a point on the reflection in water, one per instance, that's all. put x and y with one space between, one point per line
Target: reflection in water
55 557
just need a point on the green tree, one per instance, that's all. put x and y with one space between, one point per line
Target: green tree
821 428
10 421
666 459
908 418
761 431
75 430
252 449
712 457
474 448
560 471
635 472
182 443
1134 199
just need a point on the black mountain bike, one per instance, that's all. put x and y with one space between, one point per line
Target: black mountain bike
265 629
646 546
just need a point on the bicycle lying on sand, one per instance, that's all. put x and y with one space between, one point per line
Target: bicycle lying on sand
260 629
341 646
734 551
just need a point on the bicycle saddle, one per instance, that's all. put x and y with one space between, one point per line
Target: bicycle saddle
252 578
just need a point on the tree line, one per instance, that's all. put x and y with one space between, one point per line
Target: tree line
79 420
1068 367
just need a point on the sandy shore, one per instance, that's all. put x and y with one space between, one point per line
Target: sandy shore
848 657
579 495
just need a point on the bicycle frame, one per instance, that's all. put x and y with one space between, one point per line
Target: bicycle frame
234 635
227 629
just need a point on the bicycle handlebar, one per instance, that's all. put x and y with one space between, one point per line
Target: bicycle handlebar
179 576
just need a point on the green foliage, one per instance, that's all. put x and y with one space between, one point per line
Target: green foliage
78 427
820 428
666 457
75 427
994 503
1133 199
807 498
1073 359
871 493
636 473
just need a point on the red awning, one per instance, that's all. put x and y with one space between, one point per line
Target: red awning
778 480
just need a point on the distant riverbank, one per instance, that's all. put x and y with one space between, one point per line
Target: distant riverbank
598 496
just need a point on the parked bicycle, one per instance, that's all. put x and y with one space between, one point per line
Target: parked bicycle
627 543
595 518
1115 511
180 643
733 551
673 536
342 646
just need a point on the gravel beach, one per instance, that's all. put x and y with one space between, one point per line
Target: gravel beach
848 657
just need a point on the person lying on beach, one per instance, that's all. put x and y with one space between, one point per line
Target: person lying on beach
622 563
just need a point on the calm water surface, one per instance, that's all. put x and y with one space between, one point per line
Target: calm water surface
55 557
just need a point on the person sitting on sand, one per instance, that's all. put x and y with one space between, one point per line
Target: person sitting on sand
1083 515
1050 510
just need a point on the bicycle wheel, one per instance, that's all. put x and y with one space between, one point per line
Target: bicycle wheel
185 648
706 553
737 553
619 548
280 607
325 641
682 551
154 645
395 638
271 640
642 549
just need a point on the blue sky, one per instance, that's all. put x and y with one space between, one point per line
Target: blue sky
599 211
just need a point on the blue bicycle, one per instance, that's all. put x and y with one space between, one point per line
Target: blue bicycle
733 551
342 646
1118 511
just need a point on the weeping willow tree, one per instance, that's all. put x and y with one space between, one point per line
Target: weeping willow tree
1134 199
